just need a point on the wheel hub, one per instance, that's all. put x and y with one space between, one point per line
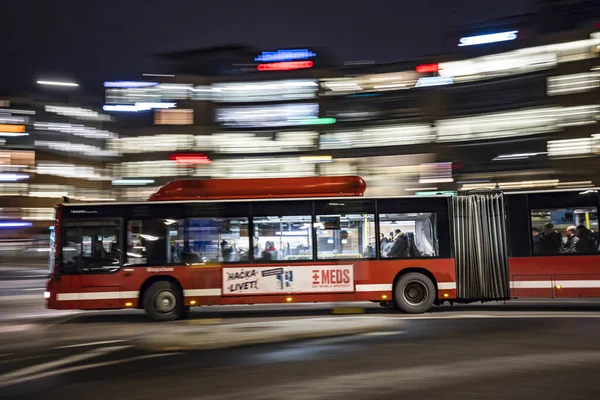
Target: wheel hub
415 293
165 301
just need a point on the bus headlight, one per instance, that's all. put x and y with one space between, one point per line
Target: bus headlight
46 294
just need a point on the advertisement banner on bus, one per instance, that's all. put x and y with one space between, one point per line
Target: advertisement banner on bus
288 280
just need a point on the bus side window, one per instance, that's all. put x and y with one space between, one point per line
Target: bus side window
155 241
216 240
345 236
408 235
283 238
566 230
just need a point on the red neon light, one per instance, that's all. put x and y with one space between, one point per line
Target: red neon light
424 68
285 66
190 158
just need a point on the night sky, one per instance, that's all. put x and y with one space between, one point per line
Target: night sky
90 41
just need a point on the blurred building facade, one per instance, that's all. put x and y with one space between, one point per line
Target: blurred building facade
50 147
511 108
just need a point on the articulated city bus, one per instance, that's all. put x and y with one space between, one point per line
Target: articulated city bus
220 242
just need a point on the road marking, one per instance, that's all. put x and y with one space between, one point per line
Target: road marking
6 354
80 368
72 346
67 360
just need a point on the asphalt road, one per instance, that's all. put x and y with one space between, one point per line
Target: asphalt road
512 356
22 281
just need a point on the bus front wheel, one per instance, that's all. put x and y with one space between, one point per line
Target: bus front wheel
414 293
163 301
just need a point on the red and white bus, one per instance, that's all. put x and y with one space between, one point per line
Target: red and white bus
219 242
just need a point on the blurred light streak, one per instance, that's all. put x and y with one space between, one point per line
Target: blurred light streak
343 86
58 83
6 128
440 172
570 147
129 84
68 147
69 171
392 135
515 123
266 116
157 168
79 113
421 188
174 117
16 111
427 68
577 183
573 83
315 159
285 55
508 157
140 106
76 130
263 167
489 38
152 143
132 182
258 142
434 81
285 66
11 119
514 185
190 158
13 134
15 224
265 91
4 177
160 75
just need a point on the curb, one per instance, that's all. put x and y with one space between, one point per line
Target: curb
246 334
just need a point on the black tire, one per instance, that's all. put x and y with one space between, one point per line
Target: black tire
163 301
414 293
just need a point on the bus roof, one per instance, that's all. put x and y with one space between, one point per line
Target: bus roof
260 188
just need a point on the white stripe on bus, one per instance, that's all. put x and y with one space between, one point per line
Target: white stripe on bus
97 296
374 288
359 288
201 292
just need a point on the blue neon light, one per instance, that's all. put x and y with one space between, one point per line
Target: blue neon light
129 84
434 81
15 225
485 39
285 55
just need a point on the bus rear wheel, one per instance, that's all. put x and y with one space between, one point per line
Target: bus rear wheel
414 293
163 301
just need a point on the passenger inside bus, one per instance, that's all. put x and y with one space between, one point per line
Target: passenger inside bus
577 224
414 235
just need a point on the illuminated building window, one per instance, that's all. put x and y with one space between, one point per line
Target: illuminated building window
174 117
